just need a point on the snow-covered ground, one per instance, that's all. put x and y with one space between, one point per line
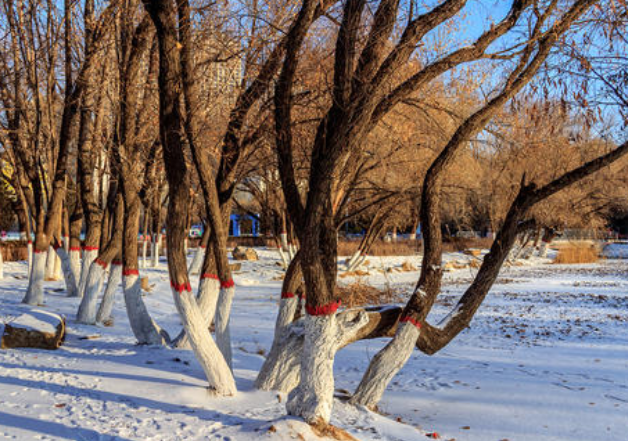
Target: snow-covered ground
546 358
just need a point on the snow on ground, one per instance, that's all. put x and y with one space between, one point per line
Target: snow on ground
546 358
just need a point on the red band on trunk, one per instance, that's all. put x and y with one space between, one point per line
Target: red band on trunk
30 242
57 245
182 287
75 248
130 272
287 295
202 246
101 263
36 251
408 319
328 309
90 248
116 262
227 283
209 276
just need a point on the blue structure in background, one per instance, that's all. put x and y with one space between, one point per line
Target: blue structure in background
236 220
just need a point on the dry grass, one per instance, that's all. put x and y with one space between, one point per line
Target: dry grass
381 248
577 253
459 244
361 294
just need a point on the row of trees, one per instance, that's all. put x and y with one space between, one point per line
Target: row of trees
332 111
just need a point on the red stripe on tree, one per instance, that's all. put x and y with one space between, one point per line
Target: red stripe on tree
328 309
130 272
101 263
209 276
90 248
287 295
227 283
182 287
75 248
408 319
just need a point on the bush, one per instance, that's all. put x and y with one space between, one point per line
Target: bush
360 294
381 248
577 253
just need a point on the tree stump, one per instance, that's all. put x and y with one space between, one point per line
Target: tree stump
244 254
34 329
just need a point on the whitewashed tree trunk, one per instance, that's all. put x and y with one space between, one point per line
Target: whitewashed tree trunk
185 247
144 328
543 249
30 257
68 275
352 259
216 369
106 305
281 369
89 255
87 309
51 257
283 238
284 258
35 291
75 264
313 398
145 252
66 243
207 298
385 365
223 313
197 261
155 250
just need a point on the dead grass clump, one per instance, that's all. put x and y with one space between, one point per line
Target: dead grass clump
324 430
459 244
381 248
361 294
577 253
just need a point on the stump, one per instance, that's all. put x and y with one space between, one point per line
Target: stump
34 329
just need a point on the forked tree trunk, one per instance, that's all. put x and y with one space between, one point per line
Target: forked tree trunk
95 279
216 369
144 328
115 278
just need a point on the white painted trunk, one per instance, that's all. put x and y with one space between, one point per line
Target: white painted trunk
155 251
66 243
51 257
216 369
57 272
106 305
223 313
281 369
87 309
385 365
543 249
75 265
89 255
293 250
35 291
283 237
284 258
144 328
352 259
197 261
185 246
144 253
287 309
208 289
313 398
68 275
30 257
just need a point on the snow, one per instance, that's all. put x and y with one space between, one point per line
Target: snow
545 359
37 320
